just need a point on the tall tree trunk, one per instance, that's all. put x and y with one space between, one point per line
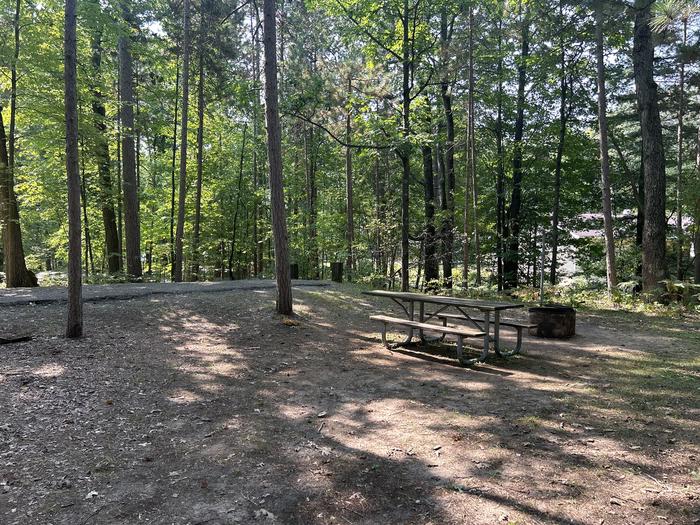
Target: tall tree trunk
679 158
200 159
16 272
380 210
109 219
132 227
311 196
404 152
432 273
471 154
137 128
13 84
512 253
560 154
604 159
274 153
696 241
238 205
172 170
446 96
350 226
120 218
89 259
654 236
74 327
179 233
500 165
257 243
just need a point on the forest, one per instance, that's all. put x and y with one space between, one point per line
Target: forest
422 144
355 262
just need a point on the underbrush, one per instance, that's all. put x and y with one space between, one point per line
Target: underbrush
676 299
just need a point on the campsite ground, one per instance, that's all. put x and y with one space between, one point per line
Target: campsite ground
209 408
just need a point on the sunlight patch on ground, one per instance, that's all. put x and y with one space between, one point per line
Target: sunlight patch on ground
183 397
49 370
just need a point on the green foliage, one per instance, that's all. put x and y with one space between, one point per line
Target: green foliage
324 44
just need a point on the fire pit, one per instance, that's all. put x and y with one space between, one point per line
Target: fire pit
554 321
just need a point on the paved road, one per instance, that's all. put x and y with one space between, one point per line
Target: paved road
107 292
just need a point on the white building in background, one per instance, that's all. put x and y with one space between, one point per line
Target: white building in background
568 266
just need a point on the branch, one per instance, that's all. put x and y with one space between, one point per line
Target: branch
234 11
340 141
369 35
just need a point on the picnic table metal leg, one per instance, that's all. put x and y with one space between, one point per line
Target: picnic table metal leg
518 345
497 332
460 343
411 309
421 318
487 339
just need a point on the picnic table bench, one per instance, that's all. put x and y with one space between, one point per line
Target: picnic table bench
481 325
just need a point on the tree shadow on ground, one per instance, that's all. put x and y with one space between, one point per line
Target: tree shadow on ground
221 413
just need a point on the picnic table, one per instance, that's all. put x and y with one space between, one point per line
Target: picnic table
451 309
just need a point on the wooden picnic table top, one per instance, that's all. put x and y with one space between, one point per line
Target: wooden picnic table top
492 306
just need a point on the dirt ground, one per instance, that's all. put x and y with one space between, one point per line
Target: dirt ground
209 408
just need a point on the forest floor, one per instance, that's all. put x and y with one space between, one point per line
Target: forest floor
207 408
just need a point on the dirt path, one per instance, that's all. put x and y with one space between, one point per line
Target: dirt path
208 408
122 291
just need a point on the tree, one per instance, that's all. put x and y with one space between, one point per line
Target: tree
448 162
471 160
349 203
666 13
604 158
511 264
200 161
274 155
182 193
563 118
16 272
101 152
74 326
654 234
132 224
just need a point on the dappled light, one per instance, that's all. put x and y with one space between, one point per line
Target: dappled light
223 411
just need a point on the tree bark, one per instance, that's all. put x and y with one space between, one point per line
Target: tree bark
16 272
182 194
405 150
74 327
604 158
679 158
238 205
89 259
172 170
512 253
109 219
500 164
654 235
132 227
274 153
446 96
432 273
696 241
257 244
560 154
311 196
350 226
471 154
120 218
194 270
